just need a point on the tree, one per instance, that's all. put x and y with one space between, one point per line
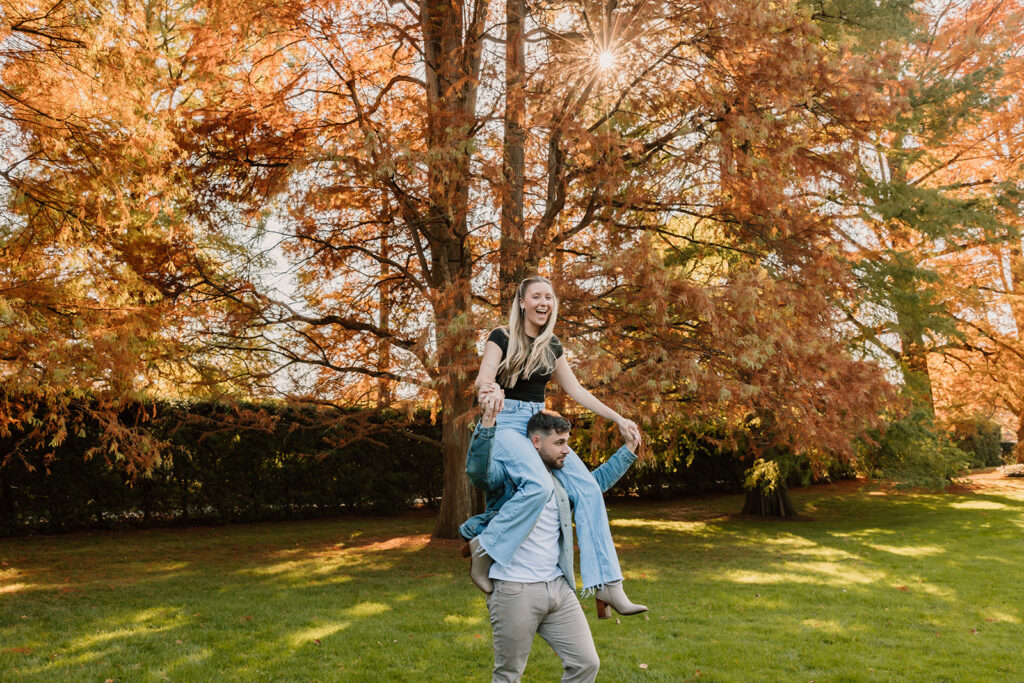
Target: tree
101 252
933 188
366 140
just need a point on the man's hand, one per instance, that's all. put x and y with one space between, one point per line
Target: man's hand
634 443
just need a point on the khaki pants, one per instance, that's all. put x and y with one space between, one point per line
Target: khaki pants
521 610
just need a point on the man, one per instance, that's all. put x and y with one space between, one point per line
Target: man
535 591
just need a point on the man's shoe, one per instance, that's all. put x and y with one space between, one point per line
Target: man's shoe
612 595
479 566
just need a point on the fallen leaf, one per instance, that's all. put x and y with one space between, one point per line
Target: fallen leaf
317 641
902 588
19 650
179 641
643 666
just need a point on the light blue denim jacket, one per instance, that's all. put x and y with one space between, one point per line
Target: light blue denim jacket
490 476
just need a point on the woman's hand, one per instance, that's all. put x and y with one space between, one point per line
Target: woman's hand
489 386
491 392
630 433
491 404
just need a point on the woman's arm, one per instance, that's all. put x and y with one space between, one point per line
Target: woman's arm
488 366
566 378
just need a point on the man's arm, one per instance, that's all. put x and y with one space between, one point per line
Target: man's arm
612 470
483 472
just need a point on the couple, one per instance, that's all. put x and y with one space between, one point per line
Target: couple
522 545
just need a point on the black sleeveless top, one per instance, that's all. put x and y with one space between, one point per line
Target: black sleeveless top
527 388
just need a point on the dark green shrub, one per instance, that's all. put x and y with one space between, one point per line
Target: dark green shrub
912 452
230 463
682 459
979 437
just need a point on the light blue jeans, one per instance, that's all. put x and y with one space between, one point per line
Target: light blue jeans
599 563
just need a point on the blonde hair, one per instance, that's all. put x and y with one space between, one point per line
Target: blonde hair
523 359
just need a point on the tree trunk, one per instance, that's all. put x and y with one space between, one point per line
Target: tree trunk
452 54
1018 450
459 498
384 323
913 356
774 504
512 263
456 361
917 379
1017 308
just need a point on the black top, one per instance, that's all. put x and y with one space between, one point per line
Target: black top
527 388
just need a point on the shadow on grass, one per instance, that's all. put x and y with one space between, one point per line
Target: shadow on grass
261 599
858 590
864 587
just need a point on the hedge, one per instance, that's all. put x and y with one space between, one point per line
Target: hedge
298 463
251 462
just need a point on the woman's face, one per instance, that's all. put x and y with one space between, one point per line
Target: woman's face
538 302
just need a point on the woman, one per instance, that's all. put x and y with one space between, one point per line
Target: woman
517 364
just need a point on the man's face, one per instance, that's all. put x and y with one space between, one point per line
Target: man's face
552 448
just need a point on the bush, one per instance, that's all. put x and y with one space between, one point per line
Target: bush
682 459
229 464
911 452
979 437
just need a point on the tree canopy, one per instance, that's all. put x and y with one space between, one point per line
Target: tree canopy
753 212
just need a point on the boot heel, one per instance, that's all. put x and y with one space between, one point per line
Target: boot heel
612 595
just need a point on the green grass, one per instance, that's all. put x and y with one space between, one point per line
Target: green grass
868 586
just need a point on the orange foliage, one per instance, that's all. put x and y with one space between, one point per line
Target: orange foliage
165 156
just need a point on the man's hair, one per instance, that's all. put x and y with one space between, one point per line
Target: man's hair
549 422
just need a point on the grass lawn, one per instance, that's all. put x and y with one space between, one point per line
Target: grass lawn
869 586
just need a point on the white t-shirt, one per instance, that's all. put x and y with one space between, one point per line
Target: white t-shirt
537 558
